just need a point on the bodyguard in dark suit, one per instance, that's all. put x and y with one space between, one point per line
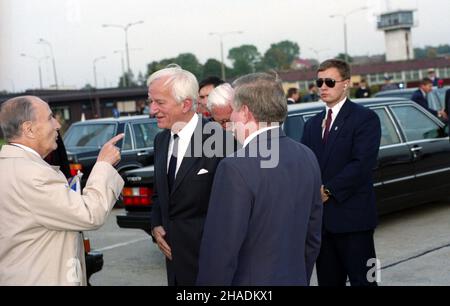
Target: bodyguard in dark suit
345 138
420 95
264 218
184 171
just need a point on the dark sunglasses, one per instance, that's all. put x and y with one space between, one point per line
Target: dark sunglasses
329 82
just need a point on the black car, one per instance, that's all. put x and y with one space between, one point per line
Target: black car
414 158
413 161
436 98
84 139
137 199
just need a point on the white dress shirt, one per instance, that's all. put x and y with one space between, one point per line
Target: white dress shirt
185 136
28 149
335 111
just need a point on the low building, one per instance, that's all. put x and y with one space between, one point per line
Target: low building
409 73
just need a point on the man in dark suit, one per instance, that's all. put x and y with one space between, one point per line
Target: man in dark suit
420 96
312 95
184 171
345 138
264 220
292 95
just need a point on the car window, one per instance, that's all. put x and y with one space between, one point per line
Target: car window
433 101
415 124
144 134
127 144
388 133
89 135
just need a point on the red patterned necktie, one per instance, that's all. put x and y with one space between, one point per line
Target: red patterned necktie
327 126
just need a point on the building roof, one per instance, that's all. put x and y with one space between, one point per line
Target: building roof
373 68
76 95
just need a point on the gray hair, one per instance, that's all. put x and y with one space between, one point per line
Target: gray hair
264 96
220 96
13 113
183 83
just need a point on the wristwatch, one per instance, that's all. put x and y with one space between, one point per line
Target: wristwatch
327 191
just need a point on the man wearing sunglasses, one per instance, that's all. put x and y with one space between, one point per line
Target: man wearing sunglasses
345 138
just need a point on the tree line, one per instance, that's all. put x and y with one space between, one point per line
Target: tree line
244 59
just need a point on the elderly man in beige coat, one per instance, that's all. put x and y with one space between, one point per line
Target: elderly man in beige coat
40 216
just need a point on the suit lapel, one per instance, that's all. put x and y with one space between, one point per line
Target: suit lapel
191 155
317 134
335 129
162 171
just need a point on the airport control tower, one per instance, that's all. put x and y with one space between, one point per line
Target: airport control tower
397 30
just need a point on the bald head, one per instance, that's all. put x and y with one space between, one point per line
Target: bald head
14 113
29 121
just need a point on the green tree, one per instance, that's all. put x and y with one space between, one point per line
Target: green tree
341 56
141 80
244 59
281 55
419 53
432 52
443 49
127 80
189 62
155 66
212 67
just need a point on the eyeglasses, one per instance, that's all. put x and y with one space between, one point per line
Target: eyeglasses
329 82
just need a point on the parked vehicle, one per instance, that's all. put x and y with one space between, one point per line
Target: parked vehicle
414 157
413 162
436 98
84 139
137 199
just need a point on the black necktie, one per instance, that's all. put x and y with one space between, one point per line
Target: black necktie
327 126
173 162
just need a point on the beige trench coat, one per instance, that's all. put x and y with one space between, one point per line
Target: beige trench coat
41 218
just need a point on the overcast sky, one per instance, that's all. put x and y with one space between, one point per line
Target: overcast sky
74 28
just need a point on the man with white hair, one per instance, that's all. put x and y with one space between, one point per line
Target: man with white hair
184 171
219 104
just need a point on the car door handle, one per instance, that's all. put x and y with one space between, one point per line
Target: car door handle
142 153
415 149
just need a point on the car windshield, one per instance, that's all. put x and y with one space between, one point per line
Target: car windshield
89 135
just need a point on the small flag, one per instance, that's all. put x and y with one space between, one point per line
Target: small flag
75 182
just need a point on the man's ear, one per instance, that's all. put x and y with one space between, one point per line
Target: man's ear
247 114
27 129
187 105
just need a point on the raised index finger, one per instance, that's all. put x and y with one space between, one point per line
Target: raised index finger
115 139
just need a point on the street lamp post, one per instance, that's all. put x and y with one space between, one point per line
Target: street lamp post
221 35
95 69
344 17
38 60
45 42
122 61
125 29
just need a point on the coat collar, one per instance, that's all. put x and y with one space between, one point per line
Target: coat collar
12 151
